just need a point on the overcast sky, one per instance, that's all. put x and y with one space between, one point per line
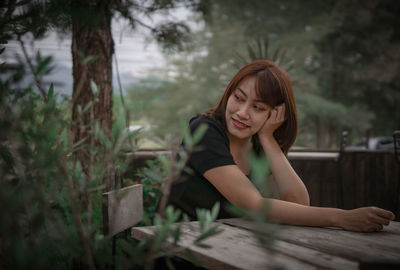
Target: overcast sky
136 56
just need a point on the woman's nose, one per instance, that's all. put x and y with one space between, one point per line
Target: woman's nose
243 112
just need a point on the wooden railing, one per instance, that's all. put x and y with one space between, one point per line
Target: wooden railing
347 180
351 179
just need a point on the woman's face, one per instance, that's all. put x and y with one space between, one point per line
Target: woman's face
245 113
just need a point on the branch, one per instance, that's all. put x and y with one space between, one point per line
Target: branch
141 23
75 214
37 80
150 9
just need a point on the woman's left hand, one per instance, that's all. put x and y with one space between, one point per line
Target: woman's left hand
274 120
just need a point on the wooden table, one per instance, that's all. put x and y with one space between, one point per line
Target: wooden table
295 247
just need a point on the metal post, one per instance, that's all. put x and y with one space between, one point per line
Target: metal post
396 145
339 178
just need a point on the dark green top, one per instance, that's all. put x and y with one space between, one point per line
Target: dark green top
193 191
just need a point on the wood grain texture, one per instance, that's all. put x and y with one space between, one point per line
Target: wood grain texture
375 248
125 208
297 247
231 249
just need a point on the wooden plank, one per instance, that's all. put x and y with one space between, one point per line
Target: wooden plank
231 249
125 208
379 247
240 248
310 256
206 260
393 227
314 257
313 155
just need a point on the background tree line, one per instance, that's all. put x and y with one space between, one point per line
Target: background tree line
342 57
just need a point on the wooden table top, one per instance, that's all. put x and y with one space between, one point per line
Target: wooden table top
294 247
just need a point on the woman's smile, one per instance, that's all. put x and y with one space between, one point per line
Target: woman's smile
238 124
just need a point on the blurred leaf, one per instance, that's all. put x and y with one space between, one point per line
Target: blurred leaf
43 65
87 106
215 211
169 264
95 88
90 59
187 138
210 232
50 93
199 133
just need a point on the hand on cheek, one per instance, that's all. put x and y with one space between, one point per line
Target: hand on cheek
275 119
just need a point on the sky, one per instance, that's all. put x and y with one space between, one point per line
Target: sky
136 54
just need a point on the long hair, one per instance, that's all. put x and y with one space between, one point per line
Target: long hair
273 86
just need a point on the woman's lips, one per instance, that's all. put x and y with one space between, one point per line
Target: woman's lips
239 124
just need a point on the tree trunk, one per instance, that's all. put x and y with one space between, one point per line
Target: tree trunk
91 36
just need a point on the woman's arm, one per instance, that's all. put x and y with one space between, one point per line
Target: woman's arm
236 188
290 186
365 219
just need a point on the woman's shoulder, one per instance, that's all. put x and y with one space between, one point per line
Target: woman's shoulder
212 123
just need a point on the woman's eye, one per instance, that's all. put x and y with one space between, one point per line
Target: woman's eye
258 108
238 98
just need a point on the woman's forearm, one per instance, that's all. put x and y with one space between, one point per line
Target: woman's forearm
298 214
364 219
289 184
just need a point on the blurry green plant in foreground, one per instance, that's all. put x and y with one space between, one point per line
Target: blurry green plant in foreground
50 209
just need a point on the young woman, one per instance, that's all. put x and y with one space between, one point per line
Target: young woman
257 113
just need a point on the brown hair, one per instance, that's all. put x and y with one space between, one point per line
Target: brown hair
273 86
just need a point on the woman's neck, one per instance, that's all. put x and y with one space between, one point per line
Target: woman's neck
239 145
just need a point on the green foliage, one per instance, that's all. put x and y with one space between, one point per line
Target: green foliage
51 202
190 140
261 49
167 231
205 218
34 209
151 177
359 62
160 170
166 104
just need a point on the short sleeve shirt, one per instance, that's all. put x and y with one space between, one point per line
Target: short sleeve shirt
193 190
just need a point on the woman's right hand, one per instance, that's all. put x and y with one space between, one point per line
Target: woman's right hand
365 219
275 119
